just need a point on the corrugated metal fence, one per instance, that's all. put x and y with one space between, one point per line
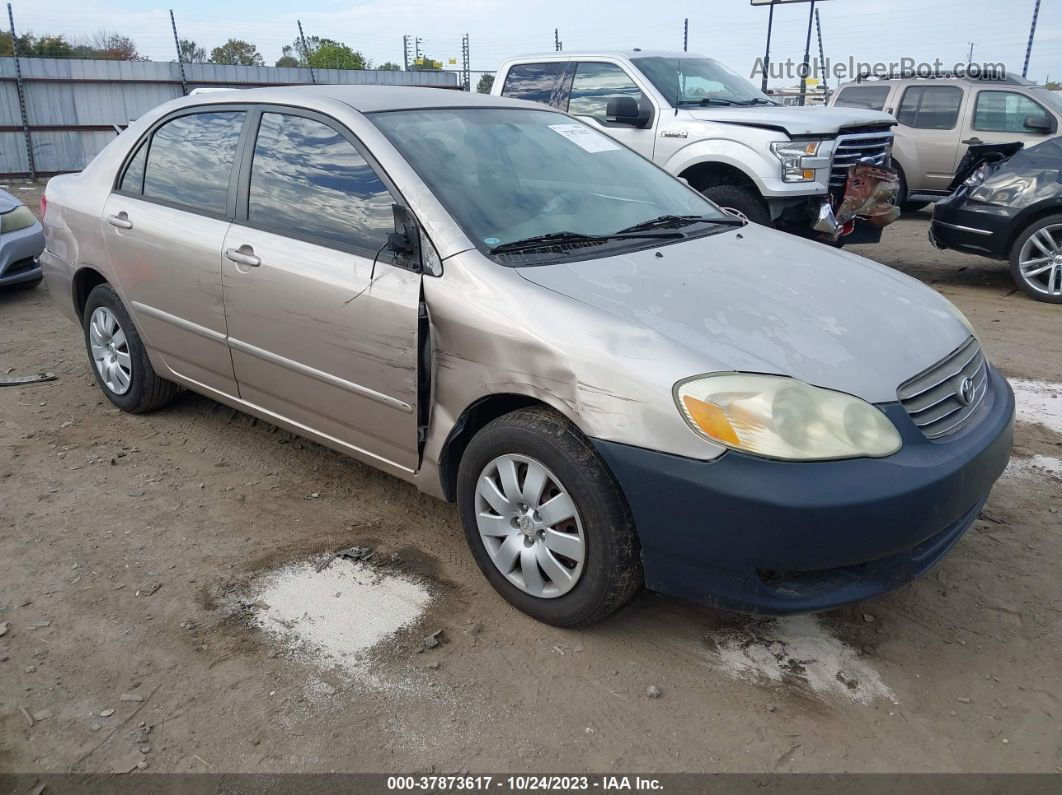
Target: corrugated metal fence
75 107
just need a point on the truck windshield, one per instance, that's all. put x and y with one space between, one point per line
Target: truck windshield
699 81
511 176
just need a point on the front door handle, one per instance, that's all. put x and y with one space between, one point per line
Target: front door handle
121 220
973 141
244 255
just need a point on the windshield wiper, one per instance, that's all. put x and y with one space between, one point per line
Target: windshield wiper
710 101
665 221
561 238
759 101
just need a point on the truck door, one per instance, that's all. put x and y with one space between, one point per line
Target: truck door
593 84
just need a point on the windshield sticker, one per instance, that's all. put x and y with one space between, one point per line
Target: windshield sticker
491 241
585 137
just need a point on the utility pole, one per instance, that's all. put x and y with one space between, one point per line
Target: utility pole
466 73
767 54
558 45
686 35
807 55
822 58
180 59
405 52
306 53
1032 35
969 57
21 96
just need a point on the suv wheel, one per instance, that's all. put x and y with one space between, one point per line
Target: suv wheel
746 204
546 522
1036 260
117 356
901 195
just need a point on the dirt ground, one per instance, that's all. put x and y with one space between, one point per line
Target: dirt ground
130 549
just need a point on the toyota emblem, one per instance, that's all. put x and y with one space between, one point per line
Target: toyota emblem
966 391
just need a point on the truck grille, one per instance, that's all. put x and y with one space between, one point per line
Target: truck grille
941 399
850 149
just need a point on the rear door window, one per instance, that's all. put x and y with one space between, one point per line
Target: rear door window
535 82
190 159
595 84
869 97
308 181
930 107
1004 111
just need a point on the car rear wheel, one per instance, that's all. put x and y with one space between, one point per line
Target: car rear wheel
118 358
545 520
1036 260
901 196
741 202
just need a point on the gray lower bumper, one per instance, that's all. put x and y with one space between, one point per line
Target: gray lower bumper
19 251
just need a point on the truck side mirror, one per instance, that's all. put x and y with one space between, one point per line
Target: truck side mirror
625 110
405 240
1038 124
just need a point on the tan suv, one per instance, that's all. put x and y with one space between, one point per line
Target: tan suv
939 117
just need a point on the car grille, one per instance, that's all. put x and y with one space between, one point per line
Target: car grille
851 149
935 399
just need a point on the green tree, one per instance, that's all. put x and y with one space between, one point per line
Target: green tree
41 46
287 60
115 47
238 52
324 54
485 84
389 66
192 52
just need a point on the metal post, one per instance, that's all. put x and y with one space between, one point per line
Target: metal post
767 54
21 96
807 55
1032 35
969 57
405 51
556 40
686 35
466 74
306 53
822 58
180 59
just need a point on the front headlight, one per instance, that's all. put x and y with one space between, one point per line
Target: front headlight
792 154
781 417
19 218
977 178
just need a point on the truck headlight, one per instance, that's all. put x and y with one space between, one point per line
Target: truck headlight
16 219
792 154
779 417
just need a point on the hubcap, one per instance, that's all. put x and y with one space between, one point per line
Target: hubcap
110 351
1040 260
529 526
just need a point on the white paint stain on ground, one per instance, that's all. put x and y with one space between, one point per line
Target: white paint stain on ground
800 651
334 617
1038 467
1038 402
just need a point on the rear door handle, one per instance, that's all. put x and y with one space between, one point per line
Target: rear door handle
973 141
121 221
243 257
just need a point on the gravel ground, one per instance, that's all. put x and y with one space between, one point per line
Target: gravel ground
161 605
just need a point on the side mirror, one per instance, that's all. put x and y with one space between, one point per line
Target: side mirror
405 240
625 110
1038 124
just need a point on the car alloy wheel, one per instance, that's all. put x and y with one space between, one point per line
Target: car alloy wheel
1040 261
110 351
530 526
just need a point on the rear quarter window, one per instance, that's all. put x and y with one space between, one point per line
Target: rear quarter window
535 82
869 97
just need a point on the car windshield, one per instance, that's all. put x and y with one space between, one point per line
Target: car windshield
1048 97
508 175
699 81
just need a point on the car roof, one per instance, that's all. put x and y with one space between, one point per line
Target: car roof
1002 79
577 54
367 99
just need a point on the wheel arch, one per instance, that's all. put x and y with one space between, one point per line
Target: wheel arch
85 280
1027 218
709 173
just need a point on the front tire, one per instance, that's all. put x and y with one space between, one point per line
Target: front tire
1036 260
546 522
118 358
742 202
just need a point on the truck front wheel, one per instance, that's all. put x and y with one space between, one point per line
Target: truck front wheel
739 201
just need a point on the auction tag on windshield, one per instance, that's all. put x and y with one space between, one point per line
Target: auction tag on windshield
588 139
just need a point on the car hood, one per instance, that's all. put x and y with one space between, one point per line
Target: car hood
8 202
758 300
796 121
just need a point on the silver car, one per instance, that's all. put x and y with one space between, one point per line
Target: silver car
21 242
618 384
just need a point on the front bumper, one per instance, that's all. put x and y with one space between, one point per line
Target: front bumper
975 227
19 251
772 537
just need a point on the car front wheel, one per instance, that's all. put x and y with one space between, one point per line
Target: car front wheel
1036 260
545 520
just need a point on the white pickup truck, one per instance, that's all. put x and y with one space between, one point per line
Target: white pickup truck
782 166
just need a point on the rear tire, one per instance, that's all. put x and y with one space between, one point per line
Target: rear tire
901 196
603 566
742 202
118 358
1045 286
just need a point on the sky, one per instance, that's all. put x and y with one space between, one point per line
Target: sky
731 31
